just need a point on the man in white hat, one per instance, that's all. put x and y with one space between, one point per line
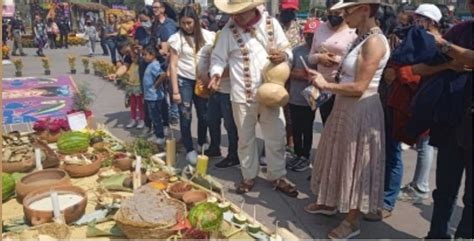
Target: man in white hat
246 44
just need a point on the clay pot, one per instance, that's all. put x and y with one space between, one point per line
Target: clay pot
178 189
53 137
159 176
191 198
18 73
47 72
40 179
128 182
52 160
84 170
71 214
21 166
122 161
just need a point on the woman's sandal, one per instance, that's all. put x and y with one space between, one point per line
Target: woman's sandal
345 230
285 187
314 208
245 186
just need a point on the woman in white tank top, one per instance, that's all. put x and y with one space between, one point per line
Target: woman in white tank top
349 165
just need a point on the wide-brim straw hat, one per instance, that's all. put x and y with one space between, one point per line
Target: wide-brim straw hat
237 6
345 4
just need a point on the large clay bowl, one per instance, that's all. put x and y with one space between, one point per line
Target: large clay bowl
178 189
71 214
84 170
40 179
26 165
194 197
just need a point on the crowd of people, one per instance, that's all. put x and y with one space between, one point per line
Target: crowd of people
384 76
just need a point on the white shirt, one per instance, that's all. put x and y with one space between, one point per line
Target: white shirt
186 58
227 53
349 65
203 68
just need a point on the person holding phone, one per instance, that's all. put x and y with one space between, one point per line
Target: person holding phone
331 41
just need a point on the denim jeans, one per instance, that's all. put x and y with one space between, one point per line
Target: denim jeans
103 44
155 109
219 106
393 164
451 162
423 164
186 90
111 43
173 110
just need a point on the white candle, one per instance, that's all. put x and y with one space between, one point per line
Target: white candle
55 202
138 164
39 165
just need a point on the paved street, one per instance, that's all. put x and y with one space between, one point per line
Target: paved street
408 221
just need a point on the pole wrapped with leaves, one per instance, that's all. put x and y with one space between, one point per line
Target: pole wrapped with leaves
85 62
18 63
72 63
46 65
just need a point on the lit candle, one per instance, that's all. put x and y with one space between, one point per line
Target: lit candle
138 164
39 165
55 202
170 152
201 166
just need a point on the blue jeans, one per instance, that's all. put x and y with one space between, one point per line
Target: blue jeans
423 164
393 164
451 163
155 110
173 110
186 90
219 106
111 43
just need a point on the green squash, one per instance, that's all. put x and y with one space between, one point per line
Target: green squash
8 186
206 217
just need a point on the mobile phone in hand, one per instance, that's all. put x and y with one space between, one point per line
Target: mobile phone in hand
304 64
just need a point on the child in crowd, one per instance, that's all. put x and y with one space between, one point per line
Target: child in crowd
302 116
154 93
91 34
133 90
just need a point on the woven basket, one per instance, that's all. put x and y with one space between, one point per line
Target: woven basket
134 230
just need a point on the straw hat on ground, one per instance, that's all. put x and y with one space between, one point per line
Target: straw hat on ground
346 4
237 6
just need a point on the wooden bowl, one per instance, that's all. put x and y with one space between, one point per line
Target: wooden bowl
84 170
194 197
122 161
159 176
40 179
178 189
71 213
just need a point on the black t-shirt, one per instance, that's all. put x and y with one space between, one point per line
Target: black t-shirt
161 32
17 24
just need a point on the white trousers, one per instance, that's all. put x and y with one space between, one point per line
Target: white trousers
272 123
